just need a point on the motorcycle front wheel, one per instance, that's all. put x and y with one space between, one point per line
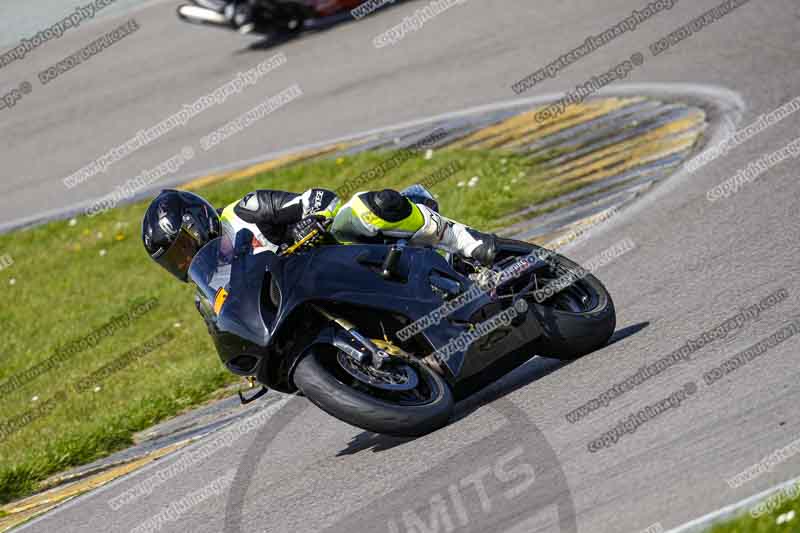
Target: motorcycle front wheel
364 397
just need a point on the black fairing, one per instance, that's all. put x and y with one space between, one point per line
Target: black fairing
248 321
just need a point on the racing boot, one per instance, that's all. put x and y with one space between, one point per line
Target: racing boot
454 237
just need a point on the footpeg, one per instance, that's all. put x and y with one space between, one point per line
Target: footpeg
251 384
254 397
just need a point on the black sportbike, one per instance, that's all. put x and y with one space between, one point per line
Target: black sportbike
350 326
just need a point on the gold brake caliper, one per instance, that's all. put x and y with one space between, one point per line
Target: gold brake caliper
391 349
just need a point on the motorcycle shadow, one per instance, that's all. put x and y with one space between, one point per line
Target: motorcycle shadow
536 368
477 394
378 443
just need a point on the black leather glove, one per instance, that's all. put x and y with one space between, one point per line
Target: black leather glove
301 229
486 252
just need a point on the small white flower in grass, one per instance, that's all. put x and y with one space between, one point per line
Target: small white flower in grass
99 234
503 161
73 221
785 517
461 184
429 155
12 281
103 252
473 181
176 325
97 388
35 399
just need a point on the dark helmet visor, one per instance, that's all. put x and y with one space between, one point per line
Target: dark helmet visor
177 258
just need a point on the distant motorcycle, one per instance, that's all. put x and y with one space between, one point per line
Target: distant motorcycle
328 320
271 17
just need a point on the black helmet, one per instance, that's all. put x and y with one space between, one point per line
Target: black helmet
176 225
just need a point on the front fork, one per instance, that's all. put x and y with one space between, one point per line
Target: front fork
369 351
374 351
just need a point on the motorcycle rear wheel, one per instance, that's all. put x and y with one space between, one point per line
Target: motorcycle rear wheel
577 320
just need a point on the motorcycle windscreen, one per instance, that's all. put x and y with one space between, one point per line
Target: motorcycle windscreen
231 282
210 270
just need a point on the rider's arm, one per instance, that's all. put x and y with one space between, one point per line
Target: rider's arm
272 211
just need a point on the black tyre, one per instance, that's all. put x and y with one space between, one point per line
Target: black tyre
321 378
578 319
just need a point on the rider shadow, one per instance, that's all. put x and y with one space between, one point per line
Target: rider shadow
495 384
272 41
268 42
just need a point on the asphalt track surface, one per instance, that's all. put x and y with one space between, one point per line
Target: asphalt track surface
695 264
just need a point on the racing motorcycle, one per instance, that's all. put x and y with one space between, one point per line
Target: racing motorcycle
270 17
340 324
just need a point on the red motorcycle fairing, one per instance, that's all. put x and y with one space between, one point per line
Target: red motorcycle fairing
330 7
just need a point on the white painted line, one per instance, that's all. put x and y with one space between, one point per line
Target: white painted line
730 511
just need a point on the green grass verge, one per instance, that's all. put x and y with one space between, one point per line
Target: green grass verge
779 513
71 278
